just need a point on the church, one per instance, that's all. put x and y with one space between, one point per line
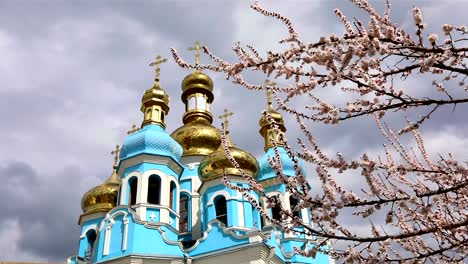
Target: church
166 202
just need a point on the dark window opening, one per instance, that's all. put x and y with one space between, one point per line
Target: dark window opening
154 189
172 198
221 209
276 208
133 190
91 236
293 202
184 211
262 221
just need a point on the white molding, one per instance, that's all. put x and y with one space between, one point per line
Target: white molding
217 193
125 234
240 213
107 235
90 227
124 184
150 158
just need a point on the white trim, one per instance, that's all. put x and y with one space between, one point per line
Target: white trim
286 203
107 237
91 227
123 191
125 234
220 192
240 213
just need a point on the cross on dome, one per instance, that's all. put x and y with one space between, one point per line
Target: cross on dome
196 48
133 129
115 153
159 60
224 118
269 93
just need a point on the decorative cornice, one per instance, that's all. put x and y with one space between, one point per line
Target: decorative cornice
155 159
271 182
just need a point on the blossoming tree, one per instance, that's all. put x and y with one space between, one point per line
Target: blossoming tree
424 201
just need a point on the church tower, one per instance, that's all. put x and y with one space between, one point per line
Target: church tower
198 138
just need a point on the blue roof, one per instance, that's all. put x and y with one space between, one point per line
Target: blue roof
267 172
151 139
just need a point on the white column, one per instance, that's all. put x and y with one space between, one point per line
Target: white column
125 234
195 221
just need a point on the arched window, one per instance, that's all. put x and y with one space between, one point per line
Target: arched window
276 208
91 237
262 221
221 209
293 203
172 196
154 189
184 205
133 183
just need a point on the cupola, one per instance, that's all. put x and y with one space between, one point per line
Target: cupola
197 136
152 137
103 198
217 163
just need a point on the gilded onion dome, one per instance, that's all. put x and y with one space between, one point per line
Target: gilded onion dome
267 130
217 163
197 136
274 136
102 198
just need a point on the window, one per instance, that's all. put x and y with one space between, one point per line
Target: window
293 203
184 212
91 237
154 189
191 103
201 102
172 196
276 208
221 209
133 182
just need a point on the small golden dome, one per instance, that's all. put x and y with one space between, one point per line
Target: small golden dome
213 165
197 82
102 198
277 119
155 96
198 137
266 128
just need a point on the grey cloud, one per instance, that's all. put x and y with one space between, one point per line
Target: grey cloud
45 206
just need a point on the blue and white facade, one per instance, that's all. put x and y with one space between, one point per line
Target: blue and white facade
171 205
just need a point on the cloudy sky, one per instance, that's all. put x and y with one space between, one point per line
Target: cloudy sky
72 74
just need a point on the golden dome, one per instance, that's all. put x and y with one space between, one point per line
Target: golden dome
155 96
198 137
266 127
197 82
102 198
214 165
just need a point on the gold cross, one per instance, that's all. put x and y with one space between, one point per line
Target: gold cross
196 48
225 117
269 93
116 155
159 60
133 129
